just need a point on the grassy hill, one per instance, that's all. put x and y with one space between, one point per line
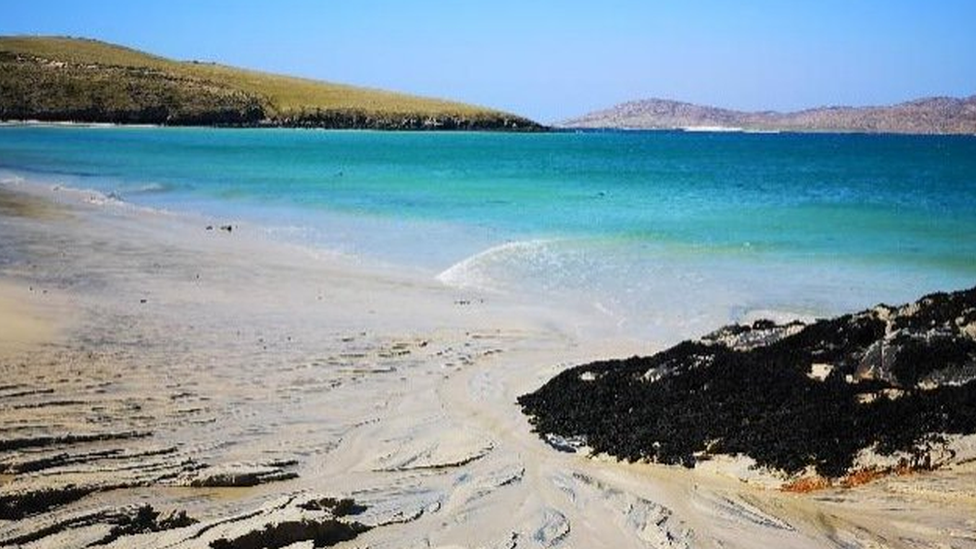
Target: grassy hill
71 79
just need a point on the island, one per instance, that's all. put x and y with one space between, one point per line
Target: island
932 115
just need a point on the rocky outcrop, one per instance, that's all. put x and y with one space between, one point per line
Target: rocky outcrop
934 115
898 382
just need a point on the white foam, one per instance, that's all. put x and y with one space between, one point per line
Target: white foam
712 129
96 198
12 180
472 272
151 187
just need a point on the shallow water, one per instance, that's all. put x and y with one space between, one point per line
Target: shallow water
654 232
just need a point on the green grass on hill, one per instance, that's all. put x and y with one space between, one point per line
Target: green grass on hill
79 79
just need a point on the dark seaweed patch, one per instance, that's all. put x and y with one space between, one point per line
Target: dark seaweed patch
708 399
917 358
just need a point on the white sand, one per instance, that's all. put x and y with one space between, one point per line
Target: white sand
384 386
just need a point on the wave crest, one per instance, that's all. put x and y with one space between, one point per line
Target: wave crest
149 188
476 271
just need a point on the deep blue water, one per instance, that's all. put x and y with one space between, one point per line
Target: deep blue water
636 225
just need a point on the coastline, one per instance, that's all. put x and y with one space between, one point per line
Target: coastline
226 370
738 249
751 130
72 124
350 122
543 128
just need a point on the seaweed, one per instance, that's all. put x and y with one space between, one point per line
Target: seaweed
917 358
705 399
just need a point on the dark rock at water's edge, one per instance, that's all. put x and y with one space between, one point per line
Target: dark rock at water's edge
895 380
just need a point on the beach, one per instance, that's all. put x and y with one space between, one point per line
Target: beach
519 275
160 358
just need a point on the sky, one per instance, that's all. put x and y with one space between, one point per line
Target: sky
552 60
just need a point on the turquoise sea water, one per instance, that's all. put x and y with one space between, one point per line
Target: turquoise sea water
641 229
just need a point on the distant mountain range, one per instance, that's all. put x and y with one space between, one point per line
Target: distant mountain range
81 80
933 115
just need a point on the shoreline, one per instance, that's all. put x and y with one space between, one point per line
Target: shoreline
32 123
748 130
587 320
554 270
272 124
758 131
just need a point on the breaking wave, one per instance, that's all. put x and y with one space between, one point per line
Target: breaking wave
482 271
148 188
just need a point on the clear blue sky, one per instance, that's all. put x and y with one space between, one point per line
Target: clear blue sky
551 59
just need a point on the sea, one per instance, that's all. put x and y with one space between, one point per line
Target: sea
654 234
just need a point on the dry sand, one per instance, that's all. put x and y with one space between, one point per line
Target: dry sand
146 359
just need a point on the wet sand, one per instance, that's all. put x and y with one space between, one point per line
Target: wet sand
23 325
151 360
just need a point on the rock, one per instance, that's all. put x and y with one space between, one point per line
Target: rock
761 333
565 444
